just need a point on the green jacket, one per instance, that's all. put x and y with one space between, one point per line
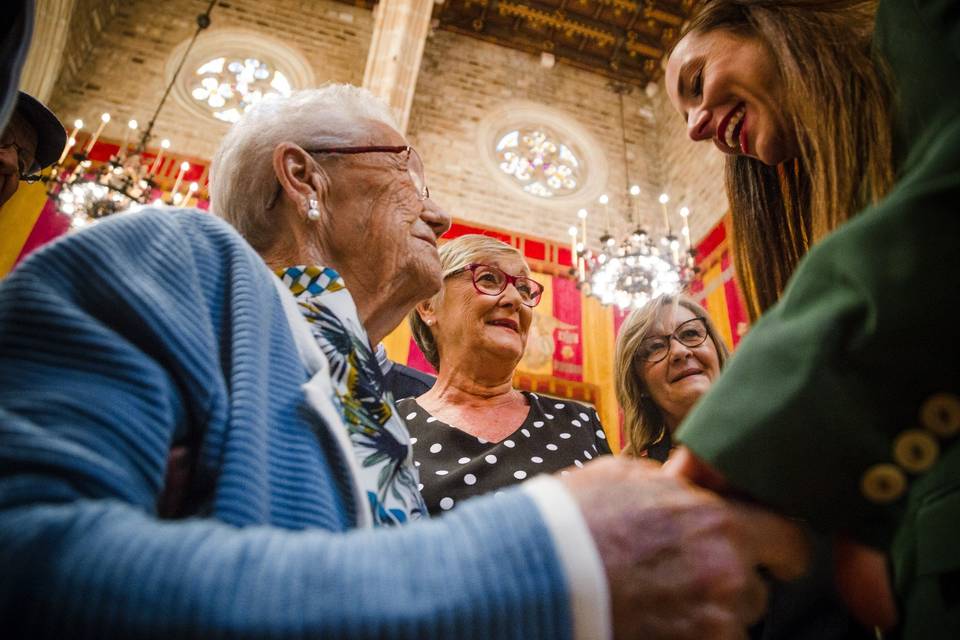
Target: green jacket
842 405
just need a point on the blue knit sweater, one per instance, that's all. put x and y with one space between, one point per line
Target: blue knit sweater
159 326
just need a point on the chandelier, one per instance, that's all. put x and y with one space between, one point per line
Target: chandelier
128 178
641 266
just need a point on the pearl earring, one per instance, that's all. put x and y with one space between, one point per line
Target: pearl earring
313 213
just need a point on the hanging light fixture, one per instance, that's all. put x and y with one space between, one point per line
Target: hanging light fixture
125 179
631 271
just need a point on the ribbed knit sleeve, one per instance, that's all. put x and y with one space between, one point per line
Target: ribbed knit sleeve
117 341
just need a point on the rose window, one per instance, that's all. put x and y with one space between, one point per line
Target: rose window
540 163
228 87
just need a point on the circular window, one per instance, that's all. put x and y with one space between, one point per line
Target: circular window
230 86
229 71
539 161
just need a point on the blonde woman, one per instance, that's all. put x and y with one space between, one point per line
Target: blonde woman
474 433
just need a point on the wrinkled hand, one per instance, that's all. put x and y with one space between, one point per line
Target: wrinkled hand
861 574
680 561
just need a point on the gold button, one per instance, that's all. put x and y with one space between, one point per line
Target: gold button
915 450
941 414
883 483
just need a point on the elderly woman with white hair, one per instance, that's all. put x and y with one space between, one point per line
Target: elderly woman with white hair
357 247
475 433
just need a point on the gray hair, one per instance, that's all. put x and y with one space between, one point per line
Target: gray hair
242 180
456 255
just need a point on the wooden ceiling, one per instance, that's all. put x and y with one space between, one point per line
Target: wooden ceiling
621 39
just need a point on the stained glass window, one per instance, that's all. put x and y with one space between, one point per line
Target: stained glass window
230 86
539 162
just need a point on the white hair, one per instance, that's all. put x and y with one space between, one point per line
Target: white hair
242 180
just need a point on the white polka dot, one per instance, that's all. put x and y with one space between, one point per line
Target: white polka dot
564 435
417 463
436 447
492 459
464 460
586 454
525 432
564 473
584 417
534 396
470 479
601 434
510 444
419 487
538 424
520 475
595 450
446 503
578 463
552 447
559 405
549 416
413 441
431 419
536 459
575 423
411 416
481 441
441 472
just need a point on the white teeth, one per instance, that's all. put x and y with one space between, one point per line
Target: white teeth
731 127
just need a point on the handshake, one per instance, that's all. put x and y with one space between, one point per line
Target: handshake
682 562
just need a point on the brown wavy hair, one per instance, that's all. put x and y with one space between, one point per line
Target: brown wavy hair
838 98
643 421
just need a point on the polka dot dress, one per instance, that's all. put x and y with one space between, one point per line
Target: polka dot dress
454 465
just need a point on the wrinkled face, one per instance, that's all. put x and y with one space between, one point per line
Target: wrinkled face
728 90
686 373
18 148
471 324
379 225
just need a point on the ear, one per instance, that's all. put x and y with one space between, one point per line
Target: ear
426 312
299 176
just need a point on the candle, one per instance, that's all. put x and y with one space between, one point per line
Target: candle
664 199
573 247
685 214
176 185
104 119
71 140
582 214
131 126
194 187
164 144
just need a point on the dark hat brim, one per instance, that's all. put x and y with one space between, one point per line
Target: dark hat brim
51 136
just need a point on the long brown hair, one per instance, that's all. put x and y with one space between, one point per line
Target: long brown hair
838 99
643 421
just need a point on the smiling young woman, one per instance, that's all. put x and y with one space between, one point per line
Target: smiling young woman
816 123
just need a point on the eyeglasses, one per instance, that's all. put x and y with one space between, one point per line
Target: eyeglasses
690 334
25 158
412 164
491 281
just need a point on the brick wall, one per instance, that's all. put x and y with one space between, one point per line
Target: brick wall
462 79
123 49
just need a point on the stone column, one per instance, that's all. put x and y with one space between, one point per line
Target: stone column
50 30
396 48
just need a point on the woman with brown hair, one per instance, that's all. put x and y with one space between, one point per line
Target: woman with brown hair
842 406
668 354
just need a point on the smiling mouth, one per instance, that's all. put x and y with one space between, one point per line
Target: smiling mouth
731 128
688 373
507 324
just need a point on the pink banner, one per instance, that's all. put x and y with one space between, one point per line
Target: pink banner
567 336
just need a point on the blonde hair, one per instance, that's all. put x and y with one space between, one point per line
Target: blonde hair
242 179
455 255
643 420
838 99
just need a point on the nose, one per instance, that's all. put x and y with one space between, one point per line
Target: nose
511 297
699 125
436 218
678 350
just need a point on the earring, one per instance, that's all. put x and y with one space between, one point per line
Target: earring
313 213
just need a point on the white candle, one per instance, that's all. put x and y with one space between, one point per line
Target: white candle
582 214
573 247
664 199
191 190
131 126
71 140
176 185
104 119
164 144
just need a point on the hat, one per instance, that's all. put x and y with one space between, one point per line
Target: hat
51 136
